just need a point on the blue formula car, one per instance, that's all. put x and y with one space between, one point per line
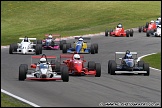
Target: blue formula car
82 45
128 65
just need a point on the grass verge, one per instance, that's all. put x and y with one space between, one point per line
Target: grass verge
7 101
153 60
71 18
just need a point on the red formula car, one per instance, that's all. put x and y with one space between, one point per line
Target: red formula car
119 32
76 66
148 27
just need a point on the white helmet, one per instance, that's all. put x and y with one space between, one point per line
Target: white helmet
50 36
159 19
152 21
76 56
119 26
43 60
80 39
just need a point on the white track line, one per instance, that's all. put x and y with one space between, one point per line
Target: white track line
19 98
139 58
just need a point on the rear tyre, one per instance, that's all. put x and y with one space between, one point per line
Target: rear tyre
127 33
91 65
61 44
106 32
111 30
109 63
53 63
65 74
147 33
52 43
131 32
92 49
64 49
68 45
98 70
39 42
113 67
57 66
147 24
140 29
37 49
11 49
140 63
147 69
96 47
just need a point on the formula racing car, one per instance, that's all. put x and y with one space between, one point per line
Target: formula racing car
156 33
119 32
26 46
52 42
148 27
128 65
74 63
82 45
42 70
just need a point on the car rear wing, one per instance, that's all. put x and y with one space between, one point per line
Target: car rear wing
54 35
29 38
124 52
38 57
69 56
48 57
85 38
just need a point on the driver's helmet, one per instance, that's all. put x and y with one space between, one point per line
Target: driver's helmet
152 21
76 57
50 36
119 25
43 60
127 52
26 39
80 39
159 19
128 56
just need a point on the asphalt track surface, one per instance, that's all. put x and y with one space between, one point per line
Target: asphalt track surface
88 91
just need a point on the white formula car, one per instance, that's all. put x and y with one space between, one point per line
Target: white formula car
43 71
26 47
128 65
158 31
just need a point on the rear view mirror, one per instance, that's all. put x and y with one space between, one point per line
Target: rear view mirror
33 66
120 58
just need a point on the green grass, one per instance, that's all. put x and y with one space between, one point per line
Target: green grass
7 101
153 60
70 18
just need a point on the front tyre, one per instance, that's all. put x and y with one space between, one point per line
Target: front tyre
65 74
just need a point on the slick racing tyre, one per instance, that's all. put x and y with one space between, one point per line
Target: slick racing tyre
98 70
109 63
22 73
147 69
106 32
113 67
91 65
92 49
65 74
61 44
96 47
